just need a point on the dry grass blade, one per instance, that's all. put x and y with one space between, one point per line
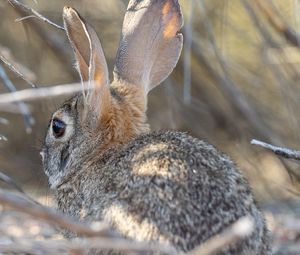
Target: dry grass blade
280 151
39 93
237 231
29 10
50 216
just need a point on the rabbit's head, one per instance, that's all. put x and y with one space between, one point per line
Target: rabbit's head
107 114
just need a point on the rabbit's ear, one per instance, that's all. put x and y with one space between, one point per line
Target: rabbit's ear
150 44
90 58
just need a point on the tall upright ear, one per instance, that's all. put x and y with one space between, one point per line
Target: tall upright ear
90 59
150 44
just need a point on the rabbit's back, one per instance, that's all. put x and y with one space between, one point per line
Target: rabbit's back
170 187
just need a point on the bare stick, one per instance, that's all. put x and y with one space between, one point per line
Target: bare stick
12 68
50 216
6 179
57 246
281 151
17 67
28 119
188 29
237 231
29 10
40 93
277 22
53 41
3 138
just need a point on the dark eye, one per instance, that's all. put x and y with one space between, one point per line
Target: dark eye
58 128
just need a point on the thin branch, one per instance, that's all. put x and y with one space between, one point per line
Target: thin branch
15 66
280 151
277 22
30 11
188 29
40 93
12 68
54 42
7 180
51 216
3 138
237 231
28 119
57 246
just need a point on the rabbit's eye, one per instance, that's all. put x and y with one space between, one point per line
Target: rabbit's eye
58 128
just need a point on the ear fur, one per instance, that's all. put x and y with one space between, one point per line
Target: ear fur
150 45
90 59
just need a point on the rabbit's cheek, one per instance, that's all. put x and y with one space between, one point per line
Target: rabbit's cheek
64 157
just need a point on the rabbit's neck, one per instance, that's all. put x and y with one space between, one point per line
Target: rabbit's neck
127 117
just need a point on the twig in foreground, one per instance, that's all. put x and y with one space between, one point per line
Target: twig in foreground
6 179
40 93
30 11
50 216
84 244
281 151
237 231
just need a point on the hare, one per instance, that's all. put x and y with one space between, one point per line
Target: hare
105 164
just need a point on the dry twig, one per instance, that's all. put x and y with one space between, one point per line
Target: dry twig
57 246
17 67
51 216
54 42
40 93
28 119
277 22
6 179
280 151
29 10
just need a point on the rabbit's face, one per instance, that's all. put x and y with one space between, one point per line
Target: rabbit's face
107 115
63 141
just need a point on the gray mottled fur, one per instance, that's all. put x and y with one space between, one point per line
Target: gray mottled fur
106 165
167 187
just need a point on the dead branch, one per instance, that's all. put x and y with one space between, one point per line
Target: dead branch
3 138
48 215
13 65
7 180
280 151
277 22
54 42
40 93
28 118
237 231
57 246
12 68
29 11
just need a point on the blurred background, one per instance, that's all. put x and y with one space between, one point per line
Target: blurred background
237 79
